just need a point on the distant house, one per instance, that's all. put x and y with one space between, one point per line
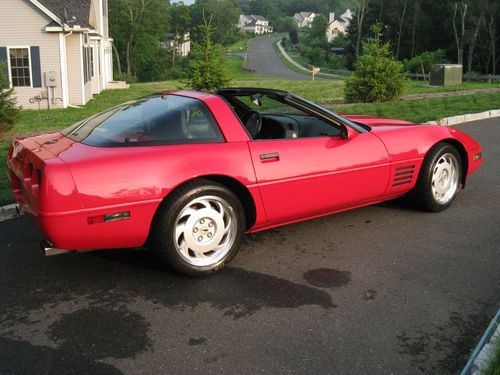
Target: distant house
304 19
338 26
182 45
55 53
255 24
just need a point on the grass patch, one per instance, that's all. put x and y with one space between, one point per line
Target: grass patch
424 110
494 365
420 87
241 45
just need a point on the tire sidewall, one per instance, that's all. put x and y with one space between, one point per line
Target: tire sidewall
430 164
164 241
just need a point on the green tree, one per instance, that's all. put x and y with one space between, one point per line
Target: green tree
8 108
317 32
137 27
378 76
206 70
224 15
180 15
285 24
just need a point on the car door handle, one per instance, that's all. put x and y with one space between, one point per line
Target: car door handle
272 156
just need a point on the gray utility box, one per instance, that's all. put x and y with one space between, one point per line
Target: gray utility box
446 74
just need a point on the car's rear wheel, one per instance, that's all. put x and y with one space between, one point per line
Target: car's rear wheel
199 228
439 179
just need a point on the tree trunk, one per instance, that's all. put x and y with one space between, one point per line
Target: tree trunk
127 56
416 15
460 39
492 35
401 28
117 59
472 45
361 11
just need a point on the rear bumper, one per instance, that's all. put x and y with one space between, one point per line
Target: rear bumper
73 231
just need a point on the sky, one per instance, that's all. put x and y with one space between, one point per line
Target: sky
187 2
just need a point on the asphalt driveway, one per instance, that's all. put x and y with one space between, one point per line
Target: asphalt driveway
378 290
262 58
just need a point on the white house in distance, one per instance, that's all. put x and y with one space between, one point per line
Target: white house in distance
183 45
304 19
338 26
56 52
255 24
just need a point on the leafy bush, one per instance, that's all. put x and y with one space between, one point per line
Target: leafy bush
378 77
8 108
206 70
422 63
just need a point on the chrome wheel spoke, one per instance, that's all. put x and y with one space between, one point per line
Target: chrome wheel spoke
205 230
445 178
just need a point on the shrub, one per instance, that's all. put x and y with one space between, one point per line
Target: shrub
8 108
378 76
422 63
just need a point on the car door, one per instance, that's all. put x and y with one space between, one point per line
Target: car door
307 177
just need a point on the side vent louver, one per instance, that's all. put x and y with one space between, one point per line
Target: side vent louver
403 176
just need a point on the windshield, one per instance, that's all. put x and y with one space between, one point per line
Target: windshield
155 120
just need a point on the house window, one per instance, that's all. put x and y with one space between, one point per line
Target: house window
88 69
20 66
91 62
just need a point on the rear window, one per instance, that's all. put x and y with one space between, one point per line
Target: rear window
155 120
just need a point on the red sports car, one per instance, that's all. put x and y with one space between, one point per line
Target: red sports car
187 173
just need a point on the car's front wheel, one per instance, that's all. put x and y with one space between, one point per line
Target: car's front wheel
439 179
199 228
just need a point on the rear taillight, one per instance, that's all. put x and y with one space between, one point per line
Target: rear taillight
32 179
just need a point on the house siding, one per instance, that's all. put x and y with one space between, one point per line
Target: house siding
75 74
16 13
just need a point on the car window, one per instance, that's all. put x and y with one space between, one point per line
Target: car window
279 119
155 120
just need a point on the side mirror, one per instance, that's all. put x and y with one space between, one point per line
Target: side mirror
255 98
344 134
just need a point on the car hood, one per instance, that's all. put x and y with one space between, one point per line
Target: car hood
373 121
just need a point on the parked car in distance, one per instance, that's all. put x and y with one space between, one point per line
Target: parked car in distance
188 173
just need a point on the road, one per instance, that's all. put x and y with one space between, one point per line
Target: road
262 58
382 289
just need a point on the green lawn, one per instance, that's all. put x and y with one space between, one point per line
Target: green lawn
420 87
424 110
327 92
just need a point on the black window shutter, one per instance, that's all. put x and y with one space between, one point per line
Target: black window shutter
3 59
36 71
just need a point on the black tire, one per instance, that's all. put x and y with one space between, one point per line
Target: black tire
422 196
165 240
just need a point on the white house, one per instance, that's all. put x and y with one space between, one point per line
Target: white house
55 53
255 24
183 45
304 19
338 26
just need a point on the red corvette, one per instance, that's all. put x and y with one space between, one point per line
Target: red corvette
187 173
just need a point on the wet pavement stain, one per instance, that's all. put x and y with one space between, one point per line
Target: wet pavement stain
101 341
327 277
22 357
194 342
